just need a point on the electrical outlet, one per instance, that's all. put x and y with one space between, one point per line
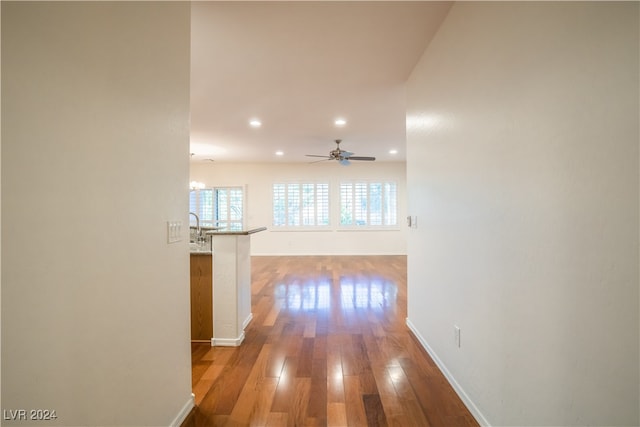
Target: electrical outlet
456 334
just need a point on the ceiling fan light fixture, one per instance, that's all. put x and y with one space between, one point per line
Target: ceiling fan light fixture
344 157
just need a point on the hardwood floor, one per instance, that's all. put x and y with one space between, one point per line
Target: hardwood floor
328 346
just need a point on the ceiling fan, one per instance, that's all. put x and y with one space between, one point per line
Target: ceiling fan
341 156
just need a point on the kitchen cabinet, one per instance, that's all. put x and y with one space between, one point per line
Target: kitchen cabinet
201 297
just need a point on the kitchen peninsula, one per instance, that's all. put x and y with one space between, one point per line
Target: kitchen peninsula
231 285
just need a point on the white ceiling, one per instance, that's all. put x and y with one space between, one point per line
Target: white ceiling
297 66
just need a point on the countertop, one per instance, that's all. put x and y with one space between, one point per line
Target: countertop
200 249
206 249
236 233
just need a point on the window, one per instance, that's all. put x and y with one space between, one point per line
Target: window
371 204
228 208
301 204
201 203
220 207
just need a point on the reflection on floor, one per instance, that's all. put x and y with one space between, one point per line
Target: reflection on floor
311 295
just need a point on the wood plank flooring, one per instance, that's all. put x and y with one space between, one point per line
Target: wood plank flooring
328 346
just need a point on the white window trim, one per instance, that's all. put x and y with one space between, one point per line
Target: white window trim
244 204
213 190
301 227
368 226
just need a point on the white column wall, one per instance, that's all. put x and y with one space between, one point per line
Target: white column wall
95 161
523 172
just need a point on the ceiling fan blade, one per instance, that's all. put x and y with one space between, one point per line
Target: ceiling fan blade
342 156
370 159
322 160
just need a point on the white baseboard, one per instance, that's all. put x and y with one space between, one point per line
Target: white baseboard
480 418
232 342
184 412
227 342
289 254
247 321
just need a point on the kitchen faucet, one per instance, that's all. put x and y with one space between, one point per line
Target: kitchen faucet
198 231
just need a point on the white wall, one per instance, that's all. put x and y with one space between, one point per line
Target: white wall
95 303
259 179
523 171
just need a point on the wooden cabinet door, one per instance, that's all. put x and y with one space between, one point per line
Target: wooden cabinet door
201 298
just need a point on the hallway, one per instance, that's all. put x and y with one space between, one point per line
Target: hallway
327 346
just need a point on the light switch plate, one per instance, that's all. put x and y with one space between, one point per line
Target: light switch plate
174 231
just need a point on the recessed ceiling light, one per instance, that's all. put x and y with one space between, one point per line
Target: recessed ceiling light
279 153
340 122
255 123
393 151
